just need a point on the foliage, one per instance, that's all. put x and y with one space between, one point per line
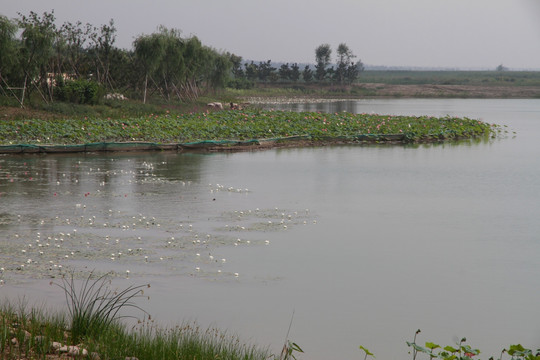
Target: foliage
289 351
462 351
29 333
34 51
307 74
7 43
345 65
95 307
239 125
79 91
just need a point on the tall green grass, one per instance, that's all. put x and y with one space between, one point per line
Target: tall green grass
95 306
93 323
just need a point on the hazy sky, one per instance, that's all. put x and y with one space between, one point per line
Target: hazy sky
433 33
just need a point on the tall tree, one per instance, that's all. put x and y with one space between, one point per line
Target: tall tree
344 61
236 62
173 65
38 37
103 39
149 50
354 70
75 37
8 46
322 59
219 71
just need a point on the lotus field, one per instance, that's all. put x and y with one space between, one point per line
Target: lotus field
238 125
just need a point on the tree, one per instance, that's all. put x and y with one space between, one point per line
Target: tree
322 59
38 37
344 62
236 62
252 71
149 50
8 47
295 72
219 72
177 66
307 74
103 39
75 37
265 70
353 71
284 72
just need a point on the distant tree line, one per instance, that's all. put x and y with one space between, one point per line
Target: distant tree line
346 71
79 62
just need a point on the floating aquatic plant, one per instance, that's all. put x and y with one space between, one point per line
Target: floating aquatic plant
238 125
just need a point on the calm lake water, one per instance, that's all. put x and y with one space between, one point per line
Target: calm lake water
365 244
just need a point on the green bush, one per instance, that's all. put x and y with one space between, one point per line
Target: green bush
240 84
79 91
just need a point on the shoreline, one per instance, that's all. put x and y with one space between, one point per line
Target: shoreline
226 146
249 129
428 91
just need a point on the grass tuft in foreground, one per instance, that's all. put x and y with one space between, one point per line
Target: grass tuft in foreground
93 328
95 306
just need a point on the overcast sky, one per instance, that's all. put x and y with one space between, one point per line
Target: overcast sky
425 33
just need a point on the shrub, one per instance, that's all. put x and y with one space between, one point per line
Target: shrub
79 91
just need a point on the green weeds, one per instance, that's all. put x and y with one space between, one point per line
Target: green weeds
95 306
238 125
462 351
93 329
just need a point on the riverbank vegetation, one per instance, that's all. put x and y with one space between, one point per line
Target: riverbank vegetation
37 333
92 329
43 62
248 124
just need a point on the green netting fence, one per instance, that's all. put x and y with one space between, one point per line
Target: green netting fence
189 146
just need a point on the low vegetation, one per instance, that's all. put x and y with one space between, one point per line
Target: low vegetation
92 329
172 127
461 351
452 77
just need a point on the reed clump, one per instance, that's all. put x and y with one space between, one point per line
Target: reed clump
93 328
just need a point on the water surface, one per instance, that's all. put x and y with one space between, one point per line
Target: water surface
365 244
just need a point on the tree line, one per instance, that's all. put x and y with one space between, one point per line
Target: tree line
80 63
346 70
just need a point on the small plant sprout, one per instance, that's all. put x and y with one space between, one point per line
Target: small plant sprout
366 352
289 348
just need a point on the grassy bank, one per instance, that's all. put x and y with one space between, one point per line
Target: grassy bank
34 333
90 328
173 127
30 333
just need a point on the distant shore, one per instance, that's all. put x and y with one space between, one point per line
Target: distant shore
382 90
